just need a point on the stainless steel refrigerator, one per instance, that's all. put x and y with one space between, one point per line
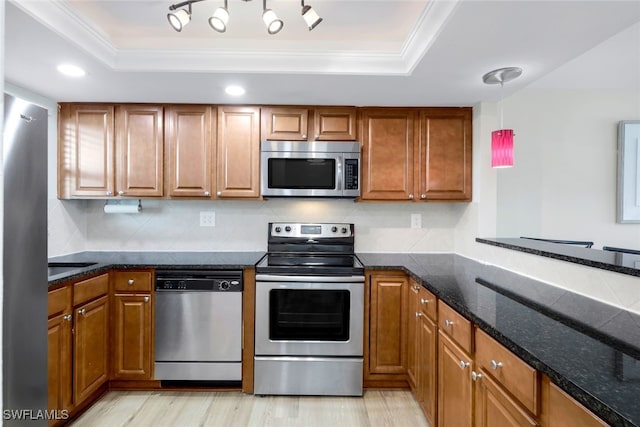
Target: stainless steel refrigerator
24 323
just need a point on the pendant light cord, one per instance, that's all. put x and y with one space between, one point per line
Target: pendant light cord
501 100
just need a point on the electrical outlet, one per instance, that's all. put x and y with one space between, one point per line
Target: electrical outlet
416 220
207 219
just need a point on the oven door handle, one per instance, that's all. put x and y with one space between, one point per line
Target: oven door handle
309 279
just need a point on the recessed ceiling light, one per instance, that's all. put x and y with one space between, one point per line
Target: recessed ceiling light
234 90
71 70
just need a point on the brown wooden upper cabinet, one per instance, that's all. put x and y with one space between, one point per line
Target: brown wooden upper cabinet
106 150
238 155
190 146
416 154
443 161
309 124
85 150
139 150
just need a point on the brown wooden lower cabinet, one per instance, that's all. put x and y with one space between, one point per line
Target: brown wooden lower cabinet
495 407
91 348
427 394
561 410
132 337
455 387
387 329
59 362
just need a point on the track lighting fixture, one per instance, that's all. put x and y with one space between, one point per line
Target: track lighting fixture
179 16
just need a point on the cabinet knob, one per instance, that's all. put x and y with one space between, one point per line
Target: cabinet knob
464 364
418 314
423 196
416 287
108 193
130 282
495 365
68 317
448 323
146 299
423 301
304 136
120 193
410 196
206 193
476 375
219 193
82 312
317 136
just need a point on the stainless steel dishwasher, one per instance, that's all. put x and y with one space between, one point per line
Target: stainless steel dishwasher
198 325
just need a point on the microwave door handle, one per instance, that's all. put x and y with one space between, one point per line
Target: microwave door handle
339 172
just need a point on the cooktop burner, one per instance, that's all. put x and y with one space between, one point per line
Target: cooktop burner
310 249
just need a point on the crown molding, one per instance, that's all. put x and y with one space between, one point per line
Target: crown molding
60 17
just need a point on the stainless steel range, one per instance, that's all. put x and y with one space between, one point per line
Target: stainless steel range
309 312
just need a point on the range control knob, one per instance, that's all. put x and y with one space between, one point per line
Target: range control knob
344 230
287 229
278 229
334 229
223 285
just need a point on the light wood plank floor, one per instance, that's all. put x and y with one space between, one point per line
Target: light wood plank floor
234 409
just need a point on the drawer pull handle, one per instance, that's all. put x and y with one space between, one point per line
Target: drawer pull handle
423 301
146 299
476 376
82 311
495 365
418 314
130 282
448 323
68 317
464 364
416 287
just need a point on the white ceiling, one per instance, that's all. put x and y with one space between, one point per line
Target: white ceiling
374 52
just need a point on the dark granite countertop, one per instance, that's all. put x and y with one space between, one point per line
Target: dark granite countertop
589 349
175 260
607 260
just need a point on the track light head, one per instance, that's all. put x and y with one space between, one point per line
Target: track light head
179 18
310 16
220 19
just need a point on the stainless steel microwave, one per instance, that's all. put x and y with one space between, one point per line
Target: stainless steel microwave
310 169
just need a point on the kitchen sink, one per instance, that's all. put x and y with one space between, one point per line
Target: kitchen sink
64 267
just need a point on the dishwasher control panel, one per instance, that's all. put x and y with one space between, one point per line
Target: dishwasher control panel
199 281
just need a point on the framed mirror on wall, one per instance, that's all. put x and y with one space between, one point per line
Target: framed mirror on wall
629 171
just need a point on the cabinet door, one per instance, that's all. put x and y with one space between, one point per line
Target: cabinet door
85 150
427 394
413 334
444 156
387 154
494 406
455 405
285 124
132 337
139 148
91 350
59 362
388 325
238 152
190 150
561 410
334 124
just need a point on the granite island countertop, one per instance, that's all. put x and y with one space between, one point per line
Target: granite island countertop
589 349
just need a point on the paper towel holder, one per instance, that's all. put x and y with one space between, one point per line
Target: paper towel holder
119 207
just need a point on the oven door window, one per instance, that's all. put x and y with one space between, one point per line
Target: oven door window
301 174
309 315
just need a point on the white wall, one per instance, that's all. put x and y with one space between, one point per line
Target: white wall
563 184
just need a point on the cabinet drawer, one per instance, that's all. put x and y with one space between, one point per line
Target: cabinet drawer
132 281
520 379
428 304
89 289
455 326
59 301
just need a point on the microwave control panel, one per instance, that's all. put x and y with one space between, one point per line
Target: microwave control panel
351 174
